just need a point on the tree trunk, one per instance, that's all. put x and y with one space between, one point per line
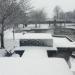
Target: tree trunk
2 36
55 25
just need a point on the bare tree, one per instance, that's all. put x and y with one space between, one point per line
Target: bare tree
10 11
38 16
57 11
62 15
67 16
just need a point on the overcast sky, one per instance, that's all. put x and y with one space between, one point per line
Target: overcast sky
48 5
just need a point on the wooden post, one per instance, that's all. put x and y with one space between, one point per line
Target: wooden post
35 25
25 25
49 23
39 26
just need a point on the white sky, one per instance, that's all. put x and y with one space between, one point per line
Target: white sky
48 5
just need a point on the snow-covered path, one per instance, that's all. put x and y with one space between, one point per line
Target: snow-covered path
32 66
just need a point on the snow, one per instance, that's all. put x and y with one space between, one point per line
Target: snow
35 52
35 60
2 52
10 43
15 55
62 42
32 66
8 33
29 36
72 60
57 41
42 26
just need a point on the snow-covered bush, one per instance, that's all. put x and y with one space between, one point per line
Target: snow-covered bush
8 53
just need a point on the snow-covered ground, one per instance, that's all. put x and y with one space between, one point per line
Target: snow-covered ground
34 62
9 35
35 52
72 64
62 42
36 56
33 66
57 41
11 42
